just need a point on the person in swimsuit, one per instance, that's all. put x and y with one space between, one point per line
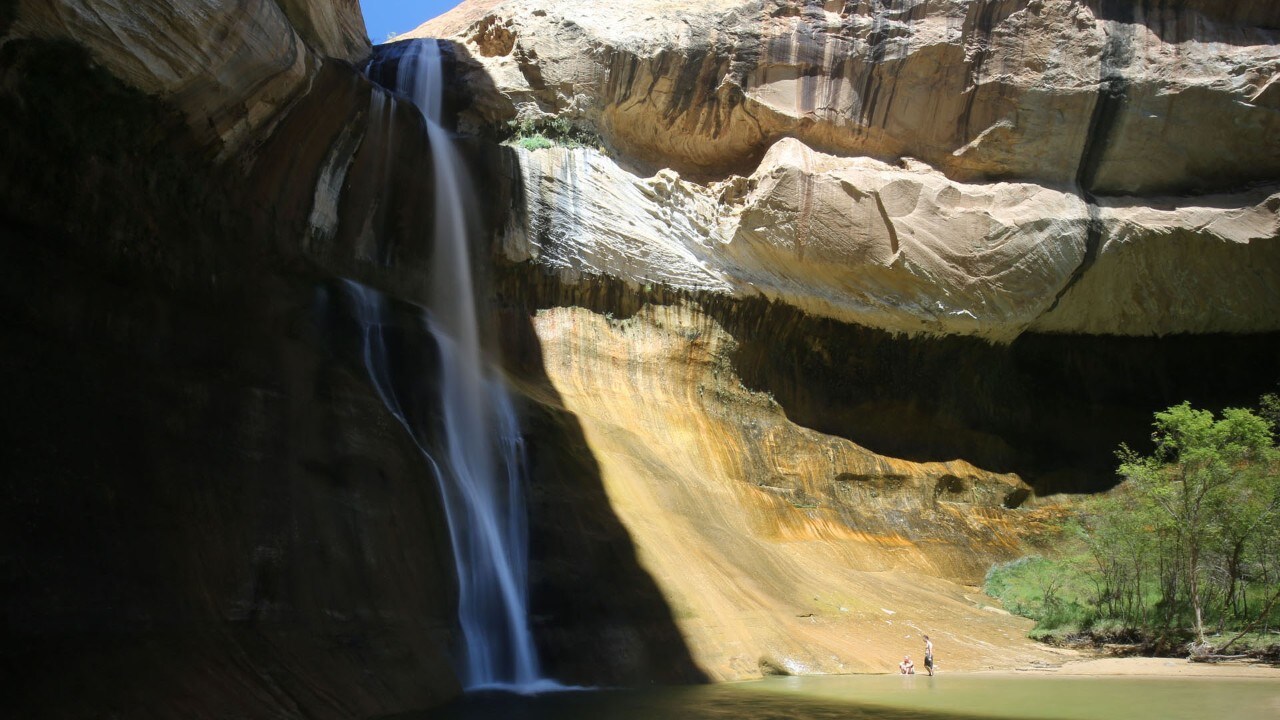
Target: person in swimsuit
928 654
906 667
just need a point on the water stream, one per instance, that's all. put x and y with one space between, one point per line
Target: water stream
480 469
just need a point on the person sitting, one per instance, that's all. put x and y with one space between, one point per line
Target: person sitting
906 667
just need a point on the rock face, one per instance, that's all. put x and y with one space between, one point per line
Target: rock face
996 231
907 250
231 69
208 511
979 90
839 287
778 549
1092 114
717 428
333 28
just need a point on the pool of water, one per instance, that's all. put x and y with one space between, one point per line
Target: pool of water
1048 697
894 697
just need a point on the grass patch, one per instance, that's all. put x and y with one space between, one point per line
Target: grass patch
1049 591
535 142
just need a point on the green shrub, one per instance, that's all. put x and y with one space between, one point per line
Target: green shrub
540 133
535 142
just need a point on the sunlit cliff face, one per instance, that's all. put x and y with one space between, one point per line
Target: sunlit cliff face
923 297
779 549
962 168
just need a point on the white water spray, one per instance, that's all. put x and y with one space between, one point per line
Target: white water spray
481 473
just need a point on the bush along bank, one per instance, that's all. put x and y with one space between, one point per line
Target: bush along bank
1181 558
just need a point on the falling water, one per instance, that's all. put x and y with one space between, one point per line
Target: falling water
481 471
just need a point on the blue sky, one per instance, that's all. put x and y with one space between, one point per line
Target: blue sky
383 17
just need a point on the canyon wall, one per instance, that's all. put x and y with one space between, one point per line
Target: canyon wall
208 510
821 295
1095 177
779 550
998 233
972 168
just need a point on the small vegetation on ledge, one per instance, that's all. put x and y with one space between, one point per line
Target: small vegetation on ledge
1184 555
544 132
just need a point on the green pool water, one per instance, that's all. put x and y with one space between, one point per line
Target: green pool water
893 697
1038 696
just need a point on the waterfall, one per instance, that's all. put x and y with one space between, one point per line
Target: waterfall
481 469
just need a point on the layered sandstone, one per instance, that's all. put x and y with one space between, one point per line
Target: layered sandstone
976 168
906 249
779 549
900 184
1004 89
204 476
230 68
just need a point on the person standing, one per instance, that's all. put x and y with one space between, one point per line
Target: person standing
928 655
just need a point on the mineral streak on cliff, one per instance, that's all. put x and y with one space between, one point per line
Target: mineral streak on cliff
961 167
978 89
779 549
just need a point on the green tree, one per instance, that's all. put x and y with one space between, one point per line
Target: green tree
1240 518
1201 468
1124 542
1269 409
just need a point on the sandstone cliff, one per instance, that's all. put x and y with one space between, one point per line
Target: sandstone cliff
1042 165
231 69
209 508
837 282
1027 89
908 250
995 231
780 550
208 512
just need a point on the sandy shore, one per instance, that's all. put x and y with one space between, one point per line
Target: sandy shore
1158 667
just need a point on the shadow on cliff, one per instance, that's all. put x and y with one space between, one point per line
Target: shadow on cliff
598 616
1178 21
1052 408
204 514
